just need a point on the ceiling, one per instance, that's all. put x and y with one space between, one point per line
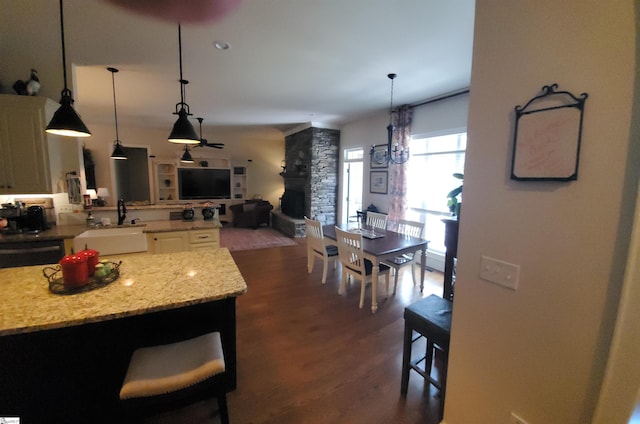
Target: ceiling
290 62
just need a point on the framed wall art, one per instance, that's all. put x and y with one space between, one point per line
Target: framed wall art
378 182
546 143
377 156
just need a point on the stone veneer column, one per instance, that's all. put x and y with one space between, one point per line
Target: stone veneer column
311 156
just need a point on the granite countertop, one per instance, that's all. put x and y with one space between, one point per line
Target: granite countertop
147 283
58 232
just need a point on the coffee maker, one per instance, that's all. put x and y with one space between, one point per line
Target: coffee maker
15 215
35 219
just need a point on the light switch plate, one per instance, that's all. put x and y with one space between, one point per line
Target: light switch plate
499 272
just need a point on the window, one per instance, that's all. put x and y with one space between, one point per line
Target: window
352 183
433 162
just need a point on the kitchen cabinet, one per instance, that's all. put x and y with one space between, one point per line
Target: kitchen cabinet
204 239
168 242
179 241
32 161
166 181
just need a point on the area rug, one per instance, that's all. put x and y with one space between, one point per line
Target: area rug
236 239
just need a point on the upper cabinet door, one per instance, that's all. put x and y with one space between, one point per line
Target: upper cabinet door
23 164
32 161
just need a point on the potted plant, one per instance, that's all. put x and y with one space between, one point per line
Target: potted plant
455 196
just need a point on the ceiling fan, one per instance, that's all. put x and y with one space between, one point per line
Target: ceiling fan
203 141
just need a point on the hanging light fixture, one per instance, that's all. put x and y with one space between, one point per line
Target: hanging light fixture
182 131
394 154
186 156
118 150
65 120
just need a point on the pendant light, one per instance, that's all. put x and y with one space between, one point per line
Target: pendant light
118 150
65 120
186 156
182 131
394 154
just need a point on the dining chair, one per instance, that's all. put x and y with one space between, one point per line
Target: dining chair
412 229
316 247
377 220
354 263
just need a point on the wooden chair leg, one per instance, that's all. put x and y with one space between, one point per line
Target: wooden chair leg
222 409
395 282
363 284
406 359
324 270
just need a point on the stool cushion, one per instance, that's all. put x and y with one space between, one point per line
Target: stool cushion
163 369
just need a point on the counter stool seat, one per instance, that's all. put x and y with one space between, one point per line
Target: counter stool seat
431 319
182 372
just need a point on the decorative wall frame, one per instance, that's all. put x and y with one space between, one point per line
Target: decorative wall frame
546 143
378 152
378 182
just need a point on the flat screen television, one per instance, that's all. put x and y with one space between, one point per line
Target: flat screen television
204 183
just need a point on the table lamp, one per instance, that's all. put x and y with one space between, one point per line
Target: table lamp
102 193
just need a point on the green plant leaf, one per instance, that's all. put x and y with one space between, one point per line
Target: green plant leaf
458 176
455 192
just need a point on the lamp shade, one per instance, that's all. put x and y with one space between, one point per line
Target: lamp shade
66 121
118 152
92 193
103 192
183 132
186 156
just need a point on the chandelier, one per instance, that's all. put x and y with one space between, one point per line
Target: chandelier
393 154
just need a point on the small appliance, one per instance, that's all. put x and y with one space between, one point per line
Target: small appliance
36 219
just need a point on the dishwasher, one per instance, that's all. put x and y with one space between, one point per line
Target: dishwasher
26 253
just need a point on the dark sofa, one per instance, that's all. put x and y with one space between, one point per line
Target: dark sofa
251 213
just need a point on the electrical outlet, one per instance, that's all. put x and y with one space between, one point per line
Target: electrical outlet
499 272
514 419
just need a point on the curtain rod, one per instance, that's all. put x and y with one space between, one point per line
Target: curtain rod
443 97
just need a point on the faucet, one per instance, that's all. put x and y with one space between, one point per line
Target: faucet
122 211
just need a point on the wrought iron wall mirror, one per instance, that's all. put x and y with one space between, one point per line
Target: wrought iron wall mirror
546 143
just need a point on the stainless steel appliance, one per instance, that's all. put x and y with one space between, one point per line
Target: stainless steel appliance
26 253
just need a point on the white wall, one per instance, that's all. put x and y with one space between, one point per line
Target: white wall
541 351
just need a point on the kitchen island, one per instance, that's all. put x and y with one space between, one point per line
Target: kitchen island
63 357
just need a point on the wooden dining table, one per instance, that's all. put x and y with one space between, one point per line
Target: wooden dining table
386 246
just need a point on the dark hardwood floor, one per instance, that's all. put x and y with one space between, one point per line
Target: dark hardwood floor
309 355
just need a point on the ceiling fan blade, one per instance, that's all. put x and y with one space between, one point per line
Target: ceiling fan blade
216 145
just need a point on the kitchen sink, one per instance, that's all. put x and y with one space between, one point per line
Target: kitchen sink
112 241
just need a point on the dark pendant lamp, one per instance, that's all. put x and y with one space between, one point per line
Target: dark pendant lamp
118 150
182 131
394 154
66 121
186 156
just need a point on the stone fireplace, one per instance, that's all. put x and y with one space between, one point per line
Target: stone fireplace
310 180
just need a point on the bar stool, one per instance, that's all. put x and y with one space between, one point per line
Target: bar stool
165 377
430 318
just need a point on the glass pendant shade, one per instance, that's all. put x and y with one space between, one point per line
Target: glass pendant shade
118 152
183 132
65 120
186 156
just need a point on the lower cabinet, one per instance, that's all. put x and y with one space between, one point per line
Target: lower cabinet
179 241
